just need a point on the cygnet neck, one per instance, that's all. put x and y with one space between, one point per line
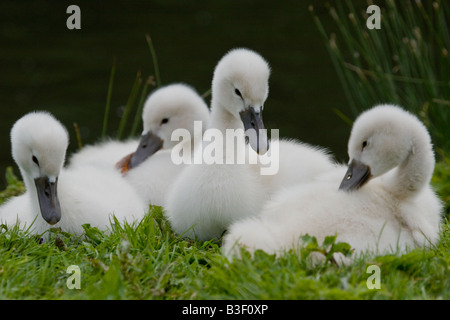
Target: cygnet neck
415 172
222 119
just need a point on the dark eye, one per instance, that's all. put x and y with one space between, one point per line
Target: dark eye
364 144
238 93
165 120
35 160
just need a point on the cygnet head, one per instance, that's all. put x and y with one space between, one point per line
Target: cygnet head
39 143
381 139
240 86
167 109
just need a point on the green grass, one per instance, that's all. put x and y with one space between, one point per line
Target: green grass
441 182
146 260
14 186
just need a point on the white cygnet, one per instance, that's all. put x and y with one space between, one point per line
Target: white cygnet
207 197
384 204
58 197
147 163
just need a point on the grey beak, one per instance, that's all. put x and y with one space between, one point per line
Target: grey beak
254 129
149 144
48 199
356 176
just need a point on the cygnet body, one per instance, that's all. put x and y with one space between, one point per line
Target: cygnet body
208 197
395 211
175 116
147 163
56 197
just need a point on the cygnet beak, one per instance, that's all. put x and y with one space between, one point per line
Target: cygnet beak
148 145
356 176
254 129
48 199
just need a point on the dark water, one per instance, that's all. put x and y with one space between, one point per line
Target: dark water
43 65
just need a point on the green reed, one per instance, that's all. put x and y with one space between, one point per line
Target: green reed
136 99
406 62
108 98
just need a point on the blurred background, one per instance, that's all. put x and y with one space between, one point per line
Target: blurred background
45 66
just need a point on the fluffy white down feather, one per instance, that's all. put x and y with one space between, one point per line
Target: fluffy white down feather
87 196
207 198
395 211
172 107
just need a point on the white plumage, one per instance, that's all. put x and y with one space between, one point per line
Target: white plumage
176 106
56 197
298 162
104 154
182 107
207 198
396 210
178 103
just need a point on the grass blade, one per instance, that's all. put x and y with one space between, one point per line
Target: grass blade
155 60
131 100
137 117
78 135
108 98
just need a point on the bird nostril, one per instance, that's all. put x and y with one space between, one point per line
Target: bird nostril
253 124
